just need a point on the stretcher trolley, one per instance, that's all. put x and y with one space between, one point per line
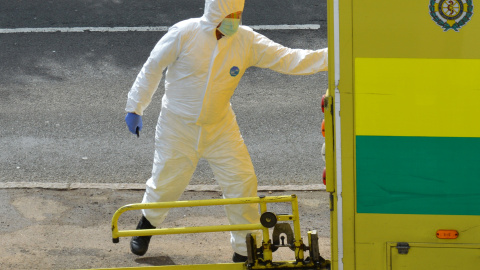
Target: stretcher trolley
259 257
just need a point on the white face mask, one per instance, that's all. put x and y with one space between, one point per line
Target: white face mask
229 26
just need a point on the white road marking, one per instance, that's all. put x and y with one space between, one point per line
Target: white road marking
137 186
142 29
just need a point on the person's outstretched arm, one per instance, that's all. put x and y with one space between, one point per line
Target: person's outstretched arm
268 54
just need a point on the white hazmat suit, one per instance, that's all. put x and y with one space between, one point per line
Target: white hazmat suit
196 119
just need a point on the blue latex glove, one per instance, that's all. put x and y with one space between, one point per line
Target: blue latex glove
134 123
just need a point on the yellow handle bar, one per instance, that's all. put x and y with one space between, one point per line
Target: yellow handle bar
262 200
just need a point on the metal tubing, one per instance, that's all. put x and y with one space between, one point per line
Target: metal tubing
285 217
183 230
267 251
195 203
296 231
296 219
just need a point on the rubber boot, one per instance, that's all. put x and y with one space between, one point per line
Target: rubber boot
239 258
139 244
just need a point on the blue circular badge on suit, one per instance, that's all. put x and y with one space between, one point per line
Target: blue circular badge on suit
234 71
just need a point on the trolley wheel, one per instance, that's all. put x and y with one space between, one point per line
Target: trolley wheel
268 219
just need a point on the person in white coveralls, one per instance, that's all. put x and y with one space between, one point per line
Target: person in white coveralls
205 59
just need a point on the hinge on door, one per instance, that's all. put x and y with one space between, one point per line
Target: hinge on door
329 104
403 247
331 202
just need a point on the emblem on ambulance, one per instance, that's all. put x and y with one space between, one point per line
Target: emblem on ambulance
451 14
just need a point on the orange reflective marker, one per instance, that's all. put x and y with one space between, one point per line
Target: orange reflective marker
324 176
447 234
323 128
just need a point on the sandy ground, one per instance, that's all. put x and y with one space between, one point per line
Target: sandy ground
70 229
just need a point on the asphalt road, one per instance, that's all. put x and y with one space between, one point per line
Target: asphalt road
62 95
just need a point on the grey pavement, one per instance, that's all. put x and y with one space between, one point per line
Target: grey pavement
70 229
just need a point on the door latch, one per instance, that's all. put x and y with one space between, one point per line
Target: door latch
403 247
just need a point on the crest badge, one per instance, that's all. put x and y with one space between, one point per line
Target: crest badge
451 14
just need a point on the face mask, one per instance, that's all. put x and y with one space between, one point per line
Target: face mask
229 26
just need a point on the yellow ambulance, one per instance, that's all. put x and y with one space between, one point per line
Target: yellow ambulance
403 134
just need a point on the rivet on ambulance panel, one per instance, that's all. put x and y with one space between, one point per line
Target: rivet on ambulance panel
447 234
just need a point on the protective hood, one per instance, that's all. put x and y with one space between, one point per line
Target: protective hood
217 10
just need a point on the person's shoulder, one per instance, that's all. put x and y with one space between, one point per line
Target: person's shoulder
246 29
186 25
246 32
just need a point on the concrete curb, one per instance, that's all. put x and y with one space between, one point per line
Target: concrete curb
133 186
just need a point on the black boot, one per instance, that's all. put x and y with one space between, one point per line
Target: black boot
239 258
139 244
